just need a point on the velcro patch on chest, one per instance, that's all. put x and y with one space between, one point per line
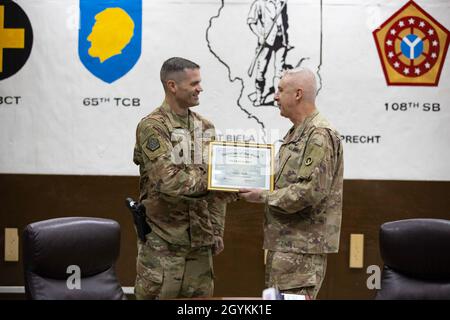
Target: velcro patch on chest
313 157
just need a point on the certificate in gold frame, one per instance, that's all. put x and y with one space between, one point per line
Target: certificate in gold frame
235 165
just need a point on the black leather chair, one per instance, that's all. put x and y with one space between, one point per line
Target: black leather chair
416 255
51 246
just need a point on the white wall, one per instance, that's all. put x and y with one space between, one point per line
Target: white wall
50 131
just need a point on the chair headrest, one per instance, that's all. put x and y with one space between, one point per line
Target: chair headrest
50 246
417 247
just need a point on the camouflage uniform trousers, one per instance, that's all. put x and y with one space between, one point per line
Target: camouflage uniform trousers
167 271
296 273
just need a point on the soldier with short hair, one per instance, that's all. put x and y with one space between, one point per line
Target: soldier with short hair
304 212
187 221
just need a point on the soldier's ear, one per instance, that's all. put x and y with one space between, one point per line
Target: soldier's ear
299 94
171 86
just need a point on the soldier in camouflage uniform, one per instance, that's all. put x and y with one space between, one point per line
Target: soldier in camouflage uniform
304 212
187 221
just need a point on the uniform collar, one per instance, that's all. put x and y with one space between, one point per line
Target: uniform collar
295 133
176 120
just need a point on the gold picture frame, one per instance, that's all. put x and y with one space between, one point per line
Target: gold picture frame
224 173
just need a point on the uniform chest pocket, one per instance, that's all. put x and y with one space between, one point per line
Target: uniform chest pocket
288 172
310 162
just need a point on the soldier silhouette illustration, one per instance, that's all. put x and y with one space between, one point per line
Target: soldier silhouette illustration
268 20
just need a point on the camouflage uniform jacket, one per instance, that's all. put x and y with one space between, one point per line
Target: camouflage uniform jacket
178 206
304 212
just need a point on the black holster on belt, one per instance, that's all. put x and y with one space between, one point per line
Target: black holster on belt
138 212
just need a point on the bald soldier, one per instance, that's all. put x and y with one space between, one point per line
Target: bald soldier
187 221
303 214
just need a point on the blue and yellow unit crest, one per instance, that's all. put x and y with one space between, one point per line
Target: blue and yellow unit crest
109 38
412 47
